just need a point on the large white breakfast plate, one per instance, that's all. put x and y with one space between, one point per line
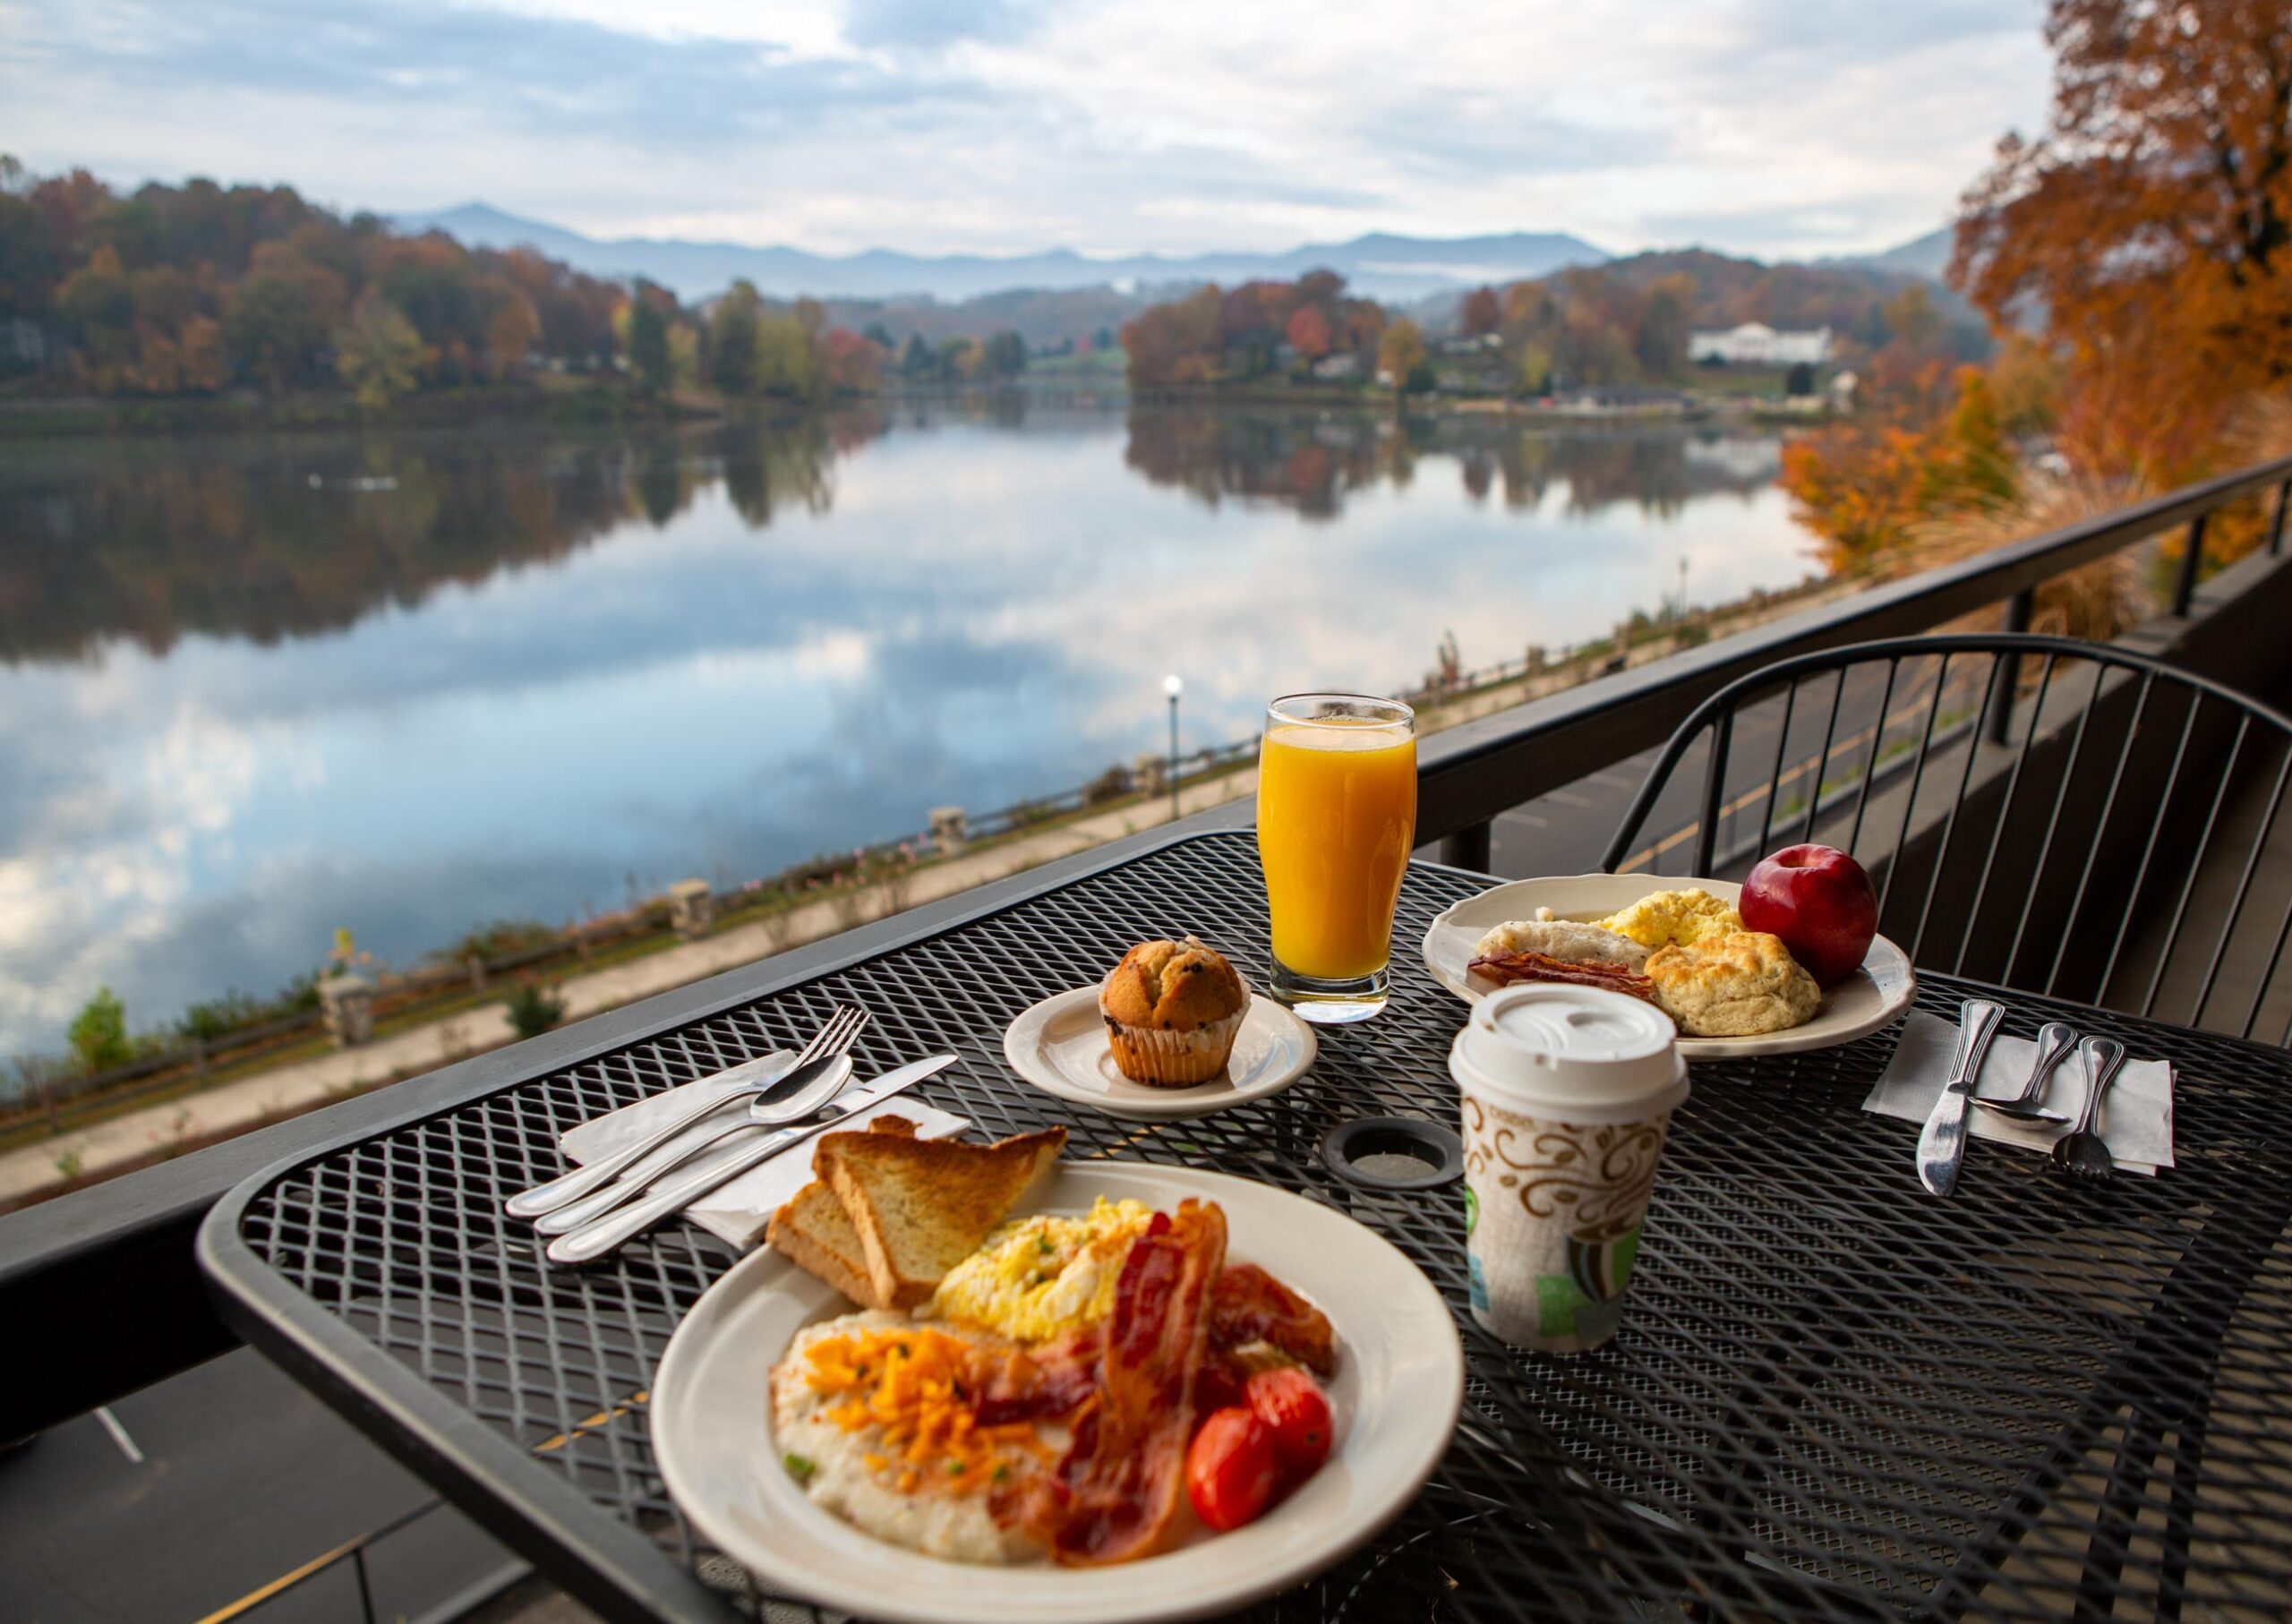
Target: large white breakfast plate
1399 1382
1060 1046
1856 1007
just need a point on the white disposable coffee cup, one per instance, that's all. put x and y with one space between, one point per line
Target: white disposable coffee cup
1567 1092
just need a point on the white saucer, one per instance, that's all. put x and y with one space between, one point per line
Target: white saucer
1060 1046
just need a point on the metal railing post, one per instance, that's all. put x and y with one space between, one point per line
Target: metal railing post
1467 848
366 1589
2276 529
2185 587
2005 675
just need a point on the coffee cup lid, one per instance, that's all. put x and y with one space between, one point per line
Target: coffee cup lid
1575 1048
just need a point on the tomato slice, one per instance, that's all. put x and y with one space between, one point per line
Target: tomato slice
1230 1469
1296 1417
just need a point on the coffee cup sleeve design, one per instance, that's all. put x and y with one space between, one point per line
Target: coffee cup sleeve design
1603 1171
1576 1194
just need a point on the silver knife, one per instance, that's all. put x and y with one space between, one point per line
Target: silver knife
594 1240
1942 1143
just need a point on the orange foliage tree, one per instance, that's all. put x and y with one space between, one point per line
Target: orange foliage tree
2151 223
1215 335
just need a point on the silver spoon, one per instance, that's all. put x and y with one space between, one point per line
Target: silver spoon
836 1071
2055 1040
2080 1151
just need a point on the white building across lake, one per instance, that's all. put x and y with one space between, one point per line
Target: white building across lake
1755 344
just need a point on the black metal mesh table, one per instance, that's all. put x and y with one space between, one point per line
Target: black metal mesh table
1833 1396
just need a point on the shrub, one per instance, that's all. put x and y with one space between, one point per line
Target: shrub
1112 785
534 1008
98 1034
499 939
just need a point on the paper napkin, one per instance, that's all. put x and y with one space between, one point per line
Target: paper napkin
739 1210
2135 1120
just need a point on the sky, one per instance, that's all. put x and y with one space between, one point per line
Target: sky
1777 128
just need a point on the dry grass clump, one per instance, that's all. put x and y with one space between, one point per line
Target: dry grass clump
2260 432
2095 602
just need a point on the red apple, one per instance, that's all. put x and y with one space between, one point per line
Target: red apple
1819 901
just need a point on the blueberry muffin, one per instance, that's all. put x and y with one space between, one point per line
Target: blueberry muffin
1171 1010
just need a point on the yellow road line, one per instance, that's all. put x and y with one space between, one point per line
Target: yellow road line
256 1598
1646 854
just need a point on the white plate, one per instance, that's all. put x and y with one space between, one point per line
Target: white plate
1060 1046
1394 1398
1856 1007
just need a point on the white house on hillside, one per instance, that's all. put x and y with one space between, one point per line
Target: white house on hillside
1755 344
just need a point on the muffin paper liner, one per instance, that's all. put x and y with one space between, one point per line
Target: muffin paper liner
1162 1057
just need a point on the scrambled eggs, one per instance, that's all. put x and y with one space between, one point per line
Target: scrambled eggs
1039 1277
1675 918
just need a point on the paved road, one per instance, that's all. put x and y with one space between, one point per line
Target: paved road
1567 830
243 1480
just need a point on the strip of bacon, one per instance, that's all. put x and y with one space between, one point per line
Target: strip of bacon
1248 1304
1037 1383
1543 967
1115 1494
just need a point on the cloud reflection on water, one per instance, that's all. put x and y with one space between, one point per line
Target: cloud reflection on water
237 710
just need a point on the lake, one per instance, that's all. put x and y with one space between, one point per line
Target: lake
254 687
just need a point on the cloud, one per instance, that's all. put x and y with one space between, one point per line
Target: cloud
1001 126
933 24
543 73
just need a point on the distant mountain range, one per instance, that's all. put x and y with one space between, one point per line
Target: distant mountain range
1379 265
1928 256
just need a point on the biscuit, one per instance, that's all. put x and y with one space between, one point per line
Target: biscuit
1734 985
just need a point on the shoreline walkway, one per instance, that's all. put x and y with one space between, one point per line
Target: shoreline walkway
250 1102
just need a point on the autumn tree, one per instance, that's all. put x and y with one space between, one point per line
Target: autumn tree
508 322
2149 223
852 361
732 339
282 316
1482 312
1004 356
648 341
98 304
1401 355
1659 336
378 354
788 361
1307 332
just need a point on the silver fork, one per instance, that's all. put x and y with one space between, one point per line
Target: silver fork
835 1036
819 1082
2081 1151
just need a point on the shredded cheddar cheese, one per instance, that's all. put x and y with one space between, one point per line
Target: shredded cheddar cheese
911 1384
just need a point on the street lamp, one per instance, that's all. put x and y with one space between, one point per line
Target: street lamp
1173 685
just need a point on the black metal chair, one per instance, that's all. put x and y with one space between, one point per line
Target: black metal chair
2033 826
2026 823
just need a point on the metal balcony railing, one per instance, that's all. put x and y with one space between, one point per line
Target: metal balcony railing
105 1279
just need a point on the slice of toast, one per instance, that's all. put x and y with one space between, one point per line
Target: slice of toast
813 1231
922 1206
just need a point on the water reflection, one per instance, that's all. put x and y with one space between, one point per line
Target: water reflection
1312 461
259 687
269 537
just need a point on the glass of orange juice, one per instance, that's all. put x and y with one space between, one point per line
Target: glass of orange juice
1336 820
